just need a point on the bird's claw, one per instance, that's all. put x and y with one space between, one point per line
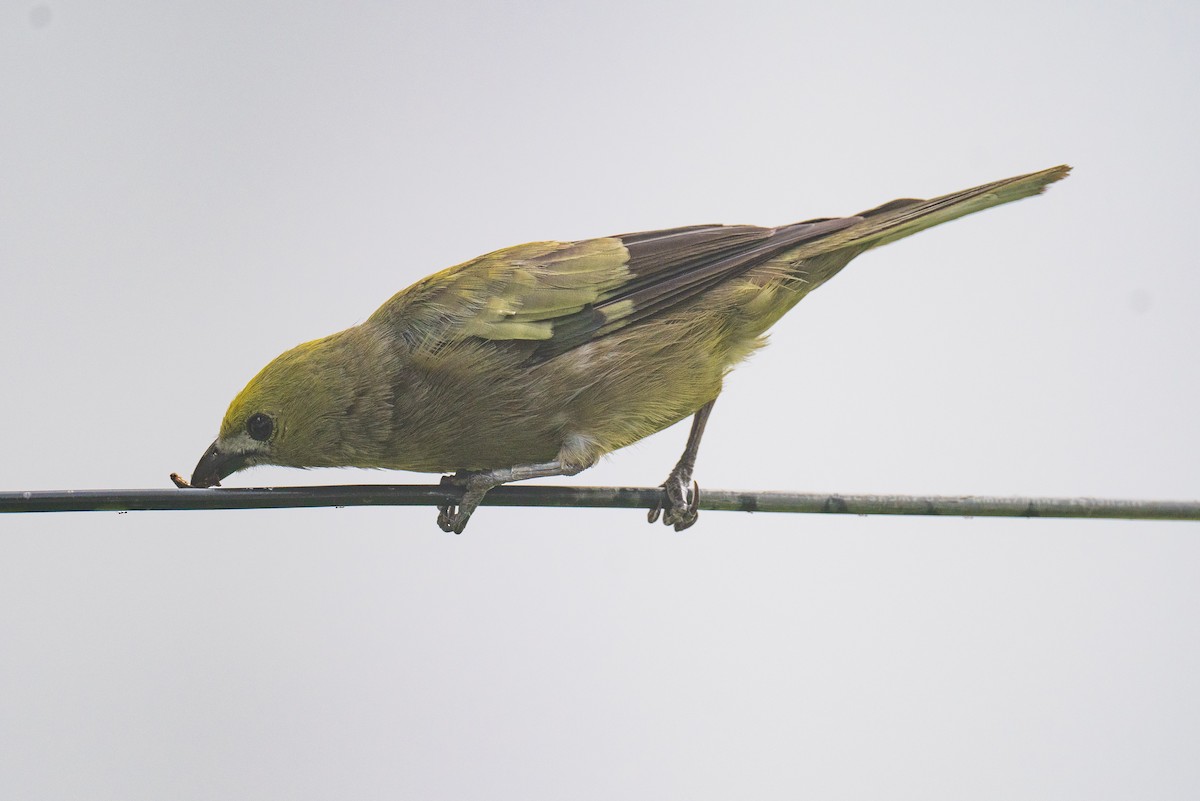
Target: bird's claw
448 519
451 520
677 503
452 517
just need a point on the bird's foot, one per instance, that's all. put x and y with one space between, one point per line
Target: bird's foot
678 504
453 517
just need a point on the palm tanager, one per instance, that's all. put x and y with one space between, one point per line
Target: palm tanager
536 360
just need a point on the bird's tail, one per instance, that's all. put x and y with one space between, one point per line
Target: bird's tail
905 217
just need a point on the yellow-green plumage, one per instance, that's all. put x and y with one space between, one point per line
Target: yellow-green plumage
554 352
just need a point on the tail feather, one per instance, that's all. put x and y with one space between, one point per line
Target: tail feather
900 218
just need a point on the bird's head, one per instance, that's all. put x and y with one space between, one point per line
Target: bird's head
313 406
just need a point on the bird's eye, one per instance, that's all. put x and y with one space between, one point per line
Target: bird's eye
260 426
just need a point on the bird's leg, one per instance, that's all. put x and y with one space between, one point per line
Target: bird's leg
454 517
680 494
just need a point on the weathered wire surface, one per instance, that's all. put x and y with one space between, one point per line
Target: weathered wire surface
128 500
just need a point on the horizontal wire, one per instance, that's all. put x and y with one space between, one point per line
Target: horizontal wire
192 499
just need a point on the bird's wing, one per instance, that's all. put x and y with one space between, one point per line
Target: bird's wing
563 294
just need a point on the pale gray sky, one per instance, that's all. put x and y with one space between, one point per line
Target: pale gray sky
188 189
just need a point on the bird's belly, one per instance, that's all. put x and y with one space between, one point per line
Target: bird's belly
598 393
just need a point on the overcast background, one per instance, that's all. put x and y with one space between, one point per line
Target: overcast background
187 189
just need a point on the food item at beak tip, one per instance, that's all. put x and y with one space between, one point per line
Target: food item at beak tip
183 483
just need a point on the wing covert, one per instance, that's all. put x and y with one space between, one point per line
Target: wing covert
563 294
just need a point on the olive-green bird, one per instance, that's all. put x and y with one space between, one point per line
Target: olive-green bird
538 359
